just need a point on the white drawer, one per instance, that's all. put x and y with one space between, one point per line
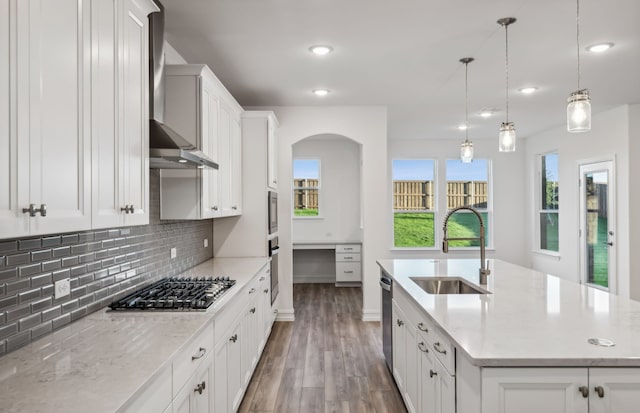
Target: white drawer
415 316
347 257
190 358
348 272
445 352
347 248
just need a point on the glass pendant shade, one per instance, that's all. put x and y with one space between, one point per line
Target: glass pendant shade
466 151
579 112
507 137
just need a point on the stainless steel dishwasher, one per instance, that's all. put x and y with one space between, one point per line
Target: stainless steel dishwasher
386 284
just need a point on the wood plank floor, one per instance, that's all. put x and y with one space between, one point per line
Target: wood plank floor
328 360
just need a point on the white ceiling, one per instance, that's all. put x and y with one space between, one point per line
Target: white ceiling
404 54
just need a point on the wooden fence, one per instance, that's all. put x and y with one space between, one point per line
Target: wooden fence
305 194
419 195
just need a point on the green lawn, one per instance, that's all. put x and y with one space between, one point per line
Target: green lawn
601 255
308 212
417 229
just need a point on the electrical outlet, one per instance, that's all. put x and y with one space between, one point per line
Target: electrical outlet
206 242
62 288
174 253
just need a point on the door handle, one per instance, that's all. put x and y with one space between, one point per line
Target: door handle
200 387
610 243
600 391
584 390
400 323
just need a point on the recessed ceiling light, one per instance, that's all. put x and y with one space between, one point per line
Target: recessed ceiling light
600 47
321 92
462 127
528 90
321 50
182 160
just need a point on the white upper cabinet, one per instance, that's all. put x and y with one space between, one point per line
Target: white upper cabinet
120 109
272 152
201 110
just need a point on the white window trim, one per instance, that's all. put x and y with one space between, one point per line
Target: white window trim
318 188
538 208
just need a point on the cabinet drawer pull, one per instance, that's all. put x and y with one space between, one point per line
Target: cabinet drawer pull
584 390
215 207
200 354
423 347
261 279
234 338
436 346
348 258
266 290
432 373
348 249
600 391
349 272
251 291
200 387
253 310
422 327
400 322
234 207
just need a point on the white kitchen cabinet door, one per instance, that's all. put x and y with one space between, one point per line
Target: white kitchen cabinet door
250 338
135 110
446 389
412 378
399 347
429 391
272 153
224 151
234 368
196 395
614 390
210 125
220 384
534 390
13 223
236 166
53 60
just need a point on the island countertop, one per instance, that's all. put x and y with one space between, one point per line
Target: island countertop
104 360
528 319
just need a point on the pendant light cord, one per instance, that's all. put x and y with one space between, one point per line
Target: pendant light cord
506 66
578 37
466 101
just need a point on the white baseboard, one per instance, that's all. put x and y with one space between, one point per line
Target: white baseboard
370 315
314 279
286 315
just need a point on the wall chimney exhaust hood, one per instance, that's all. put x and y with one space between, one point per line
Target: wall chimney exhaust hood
168 150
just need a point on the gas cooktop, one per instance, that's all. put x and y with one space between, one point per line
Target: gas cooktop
176 294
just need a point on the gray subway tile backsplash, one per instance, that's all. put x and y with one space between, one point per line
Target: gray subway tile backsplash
103 265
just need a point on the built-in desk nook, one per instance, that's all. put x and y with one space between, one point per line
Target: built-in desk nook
327 262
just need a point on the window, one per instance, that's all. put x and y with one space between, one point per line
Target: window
468 185
413 203
549 202
306 187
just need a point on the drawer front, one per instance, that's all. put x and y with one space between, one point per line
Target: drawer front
347 257
414 315
190 358
347 248
226 318
445 352
348 272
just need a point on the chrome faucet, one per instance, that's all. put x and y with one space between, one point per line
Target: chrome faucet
484 270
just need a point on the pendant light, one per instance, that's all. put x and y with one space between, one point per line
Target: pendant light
507 136
466 148
579 107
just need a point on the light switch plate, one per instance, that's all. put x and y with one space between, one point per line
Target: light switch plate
206 242
62 288
174 253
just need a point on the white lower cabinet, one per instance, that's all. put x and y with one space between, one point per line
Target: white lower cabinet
562 390
437 387
196 395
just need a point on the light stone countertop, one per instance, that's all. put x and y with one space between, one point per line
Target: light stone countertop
529 319
101 361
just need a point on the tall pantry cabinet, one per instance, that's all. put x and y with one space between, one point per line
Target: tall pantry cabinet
51 110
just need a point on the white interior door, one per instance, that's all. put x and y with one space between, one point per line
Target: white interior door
597 225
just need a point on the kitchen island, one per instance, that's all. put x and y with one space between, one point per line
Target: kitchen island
520 344
142 361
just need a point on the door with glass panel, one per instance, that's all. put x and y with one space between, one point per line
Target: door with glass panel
597 225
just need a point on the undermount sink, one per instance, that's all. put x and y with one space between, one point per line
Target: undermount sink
441 285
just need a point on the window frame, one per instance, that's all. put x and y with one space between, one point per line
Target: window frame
538 207
434 211
299 188
488 210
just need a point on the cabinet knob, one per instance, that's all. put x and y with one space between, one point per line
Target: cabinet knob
32 210
253 310
584 390
234 207
266 290
262 279
234 338
200 387
432 373
599 390
422 327
400 322
251 291
215 207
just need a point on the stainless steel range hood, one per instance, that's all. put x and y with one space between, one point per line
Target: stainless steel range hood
167 149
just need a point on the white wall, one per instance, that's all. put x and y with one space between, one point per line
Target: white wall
366 125
634 200
608 139
508 176
171 55
339 190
